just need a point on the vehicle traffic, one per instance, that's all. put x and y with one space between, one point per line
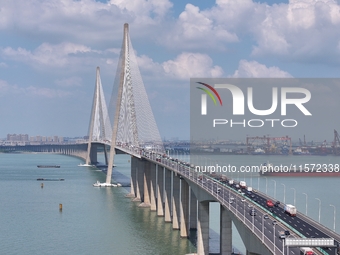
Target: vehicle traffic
252 212
243 184
270 203
282 235
290 209
306 251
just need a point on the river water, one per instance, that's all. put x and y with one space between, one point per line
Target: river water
103 221
92 220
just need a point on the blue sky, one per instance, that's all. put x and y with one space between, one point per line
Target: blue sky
49 51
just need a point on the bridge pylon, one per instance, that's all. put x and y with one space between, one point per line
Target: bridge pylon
134 125
100 126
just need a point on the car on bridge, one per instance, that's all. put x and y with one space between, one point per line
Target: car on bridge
306 251
252 212
269 203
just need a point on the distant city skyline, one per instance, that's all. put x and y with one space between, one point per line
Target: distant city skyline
49 54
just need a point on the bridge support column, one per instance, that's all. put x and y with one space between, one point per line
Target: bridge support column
184 209
167 195
251 253
146 185
203 228
160 190
152 183
193 210
93 154
225 232
175 201
138 165
105 154
133 179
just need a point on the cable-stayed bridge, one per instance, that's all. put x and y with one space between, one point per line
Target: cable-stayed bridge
173 188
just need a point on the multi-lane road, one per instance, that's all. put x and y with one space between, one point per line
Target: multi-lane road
266 223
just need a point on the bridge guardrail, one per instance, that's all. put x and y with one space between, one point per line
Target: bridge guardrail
178 168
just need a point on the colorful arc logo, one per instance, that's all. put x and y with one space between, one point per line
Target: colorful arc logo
204 97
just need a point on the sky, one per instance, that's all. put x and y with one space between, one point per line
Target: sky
49 51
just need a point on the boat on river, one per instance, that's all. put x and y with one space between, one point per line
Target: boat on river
48 166
104 184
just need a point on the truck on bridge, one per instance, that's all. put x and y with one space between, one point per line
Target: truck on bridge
290 209
282 235
306 251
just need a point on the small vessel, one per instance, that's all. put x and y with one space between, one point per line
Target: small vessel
48 166
84 165
50 179
301 151
104 184
259 151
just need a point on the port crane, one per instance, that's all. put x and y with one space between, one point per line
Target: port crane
336 143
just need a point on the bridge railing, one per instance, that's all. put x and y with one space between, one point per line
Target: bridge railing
185 170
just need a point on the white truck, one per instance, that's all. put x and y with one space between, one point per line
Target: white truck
231 182
243 184
282 235
250 189
306 251
290 209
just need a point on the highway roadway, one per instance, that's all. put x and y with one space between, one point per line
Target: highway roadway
265 224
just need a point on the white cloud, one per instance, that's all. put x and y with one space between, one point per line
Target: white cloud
147 64
85 20
300 30
303 31
253 69
144 8
188 65
196 29
48 55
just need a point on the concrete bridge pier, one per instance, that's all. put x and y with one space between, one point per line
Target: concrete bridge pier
184 209
152 183
133 179
138 167
203 228
251 253
225 231
146 184
175 201
167 194
160 190
93 154
193 210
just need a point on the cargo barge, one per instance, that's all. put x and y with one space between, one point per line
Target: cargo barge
50 179
48 166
